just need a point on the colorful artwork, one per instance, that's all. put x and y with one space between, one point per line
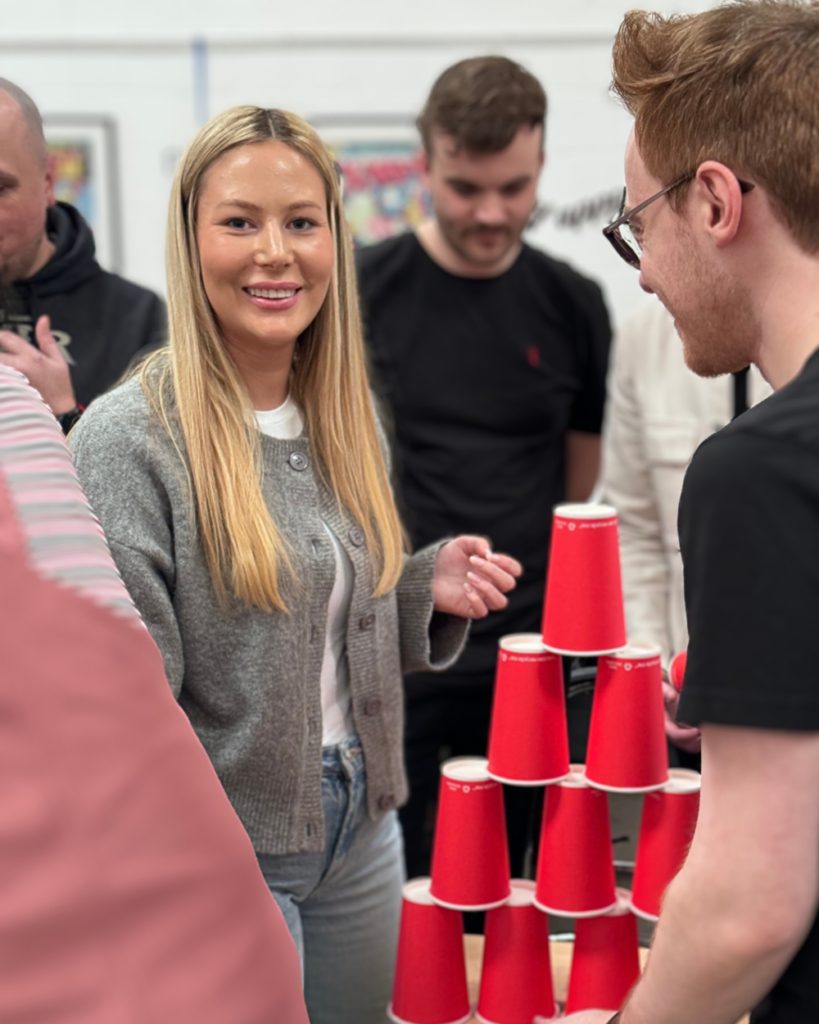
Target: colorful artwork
73 169
82 150
383 180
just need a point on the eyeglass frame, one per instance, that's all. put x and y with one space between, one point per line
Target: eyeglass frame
612 231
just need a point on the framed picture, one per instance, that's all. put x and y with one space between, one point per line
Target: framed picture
382 168
83 151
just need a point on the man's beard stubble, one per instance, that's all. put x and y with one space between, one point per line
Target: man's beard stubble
719 333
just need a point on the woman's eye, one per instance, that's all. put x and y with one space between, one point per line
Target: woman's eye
237 222
302 223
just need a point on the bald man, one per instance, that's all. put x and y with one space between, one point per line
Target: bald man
71 327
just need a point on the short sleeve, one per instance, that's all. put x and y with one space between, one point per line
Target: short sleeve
749 534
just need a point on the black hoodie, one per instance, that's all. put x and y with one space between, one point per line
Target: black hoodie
100 320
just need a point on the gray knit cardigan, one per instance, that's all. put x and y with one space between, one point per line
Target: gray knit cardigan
249 680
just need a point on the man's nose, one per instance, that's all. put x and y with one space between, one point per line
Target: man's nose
491 211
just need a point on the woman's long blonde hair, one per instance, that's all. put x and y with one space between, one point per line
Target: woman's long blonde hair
196 385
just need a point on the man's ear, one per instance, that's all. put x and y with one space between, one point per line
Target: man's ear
718 201
51 199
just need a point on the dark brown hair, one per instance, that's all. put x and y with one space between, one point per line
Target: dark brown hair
481 103
738 84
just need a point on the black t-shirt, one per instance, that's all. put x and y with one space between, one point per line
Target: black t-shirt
749 533
481 379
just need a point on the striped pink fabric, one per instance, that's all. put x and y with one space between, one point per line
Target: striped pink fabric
64 538
129 891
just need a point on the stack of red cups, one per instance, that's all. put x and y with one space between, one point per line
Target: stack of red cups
528 746
583 615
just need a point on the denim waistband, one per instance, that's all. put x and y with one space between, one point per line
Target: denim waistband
343 758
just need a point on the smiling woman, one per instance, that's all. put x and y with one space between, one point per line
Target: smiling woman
266 251
243 485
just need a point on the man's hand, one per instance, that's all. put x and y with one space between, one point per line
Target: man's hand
686 737
470 580
43 364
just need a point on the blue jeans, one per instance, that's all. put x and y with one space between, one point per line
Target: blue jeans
343 905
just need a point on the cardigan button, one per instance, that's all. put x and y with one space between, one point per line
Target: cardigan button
386 802
372 706
298 461
366 621
356 536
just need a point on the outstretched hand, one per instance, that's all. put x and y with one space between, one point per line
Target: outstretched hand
470 579
686 737
44 364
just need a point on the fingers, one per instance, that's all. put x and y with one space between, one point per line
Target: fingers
671 699
507 563
14 362
46 341
684 736
477 607
12 344
487 591
494 572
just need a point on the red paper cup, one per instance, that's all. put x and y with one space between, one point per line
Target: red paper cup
430 968
666 828
676 670
583 607
605 961
516 976
470 855
627 749
528 738
575 869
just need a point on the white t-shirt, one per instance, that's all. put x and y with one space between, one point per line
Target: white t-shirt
286 422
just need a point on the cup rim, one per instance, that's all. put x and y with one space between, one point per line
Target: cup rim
584 510
636 651
509 781
449 905
576 778
602 653
683 781
607 787
478 765
523 643
522 892
416 890
599 912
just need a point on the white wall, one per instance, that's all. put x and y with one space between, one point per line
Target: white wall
159 68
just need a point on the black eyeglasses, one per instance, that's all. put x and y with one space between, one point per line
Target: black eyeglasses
619 232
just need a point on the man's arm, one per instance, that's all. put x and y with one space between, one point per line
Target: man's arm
582 464
743 902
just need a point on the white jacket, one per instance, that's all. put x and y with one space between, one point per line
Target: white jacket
658 412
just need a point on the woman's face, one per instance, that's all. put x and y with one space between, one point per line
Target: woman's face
265 247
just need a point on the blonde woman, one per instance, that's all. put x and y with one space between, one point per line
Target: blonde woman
242 484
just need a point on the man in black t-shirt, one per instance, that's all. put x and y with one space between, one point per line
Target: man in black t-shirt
71 327
490 358
722 219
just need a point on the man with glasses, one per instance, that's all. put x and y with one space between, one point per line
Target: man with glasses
722 215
